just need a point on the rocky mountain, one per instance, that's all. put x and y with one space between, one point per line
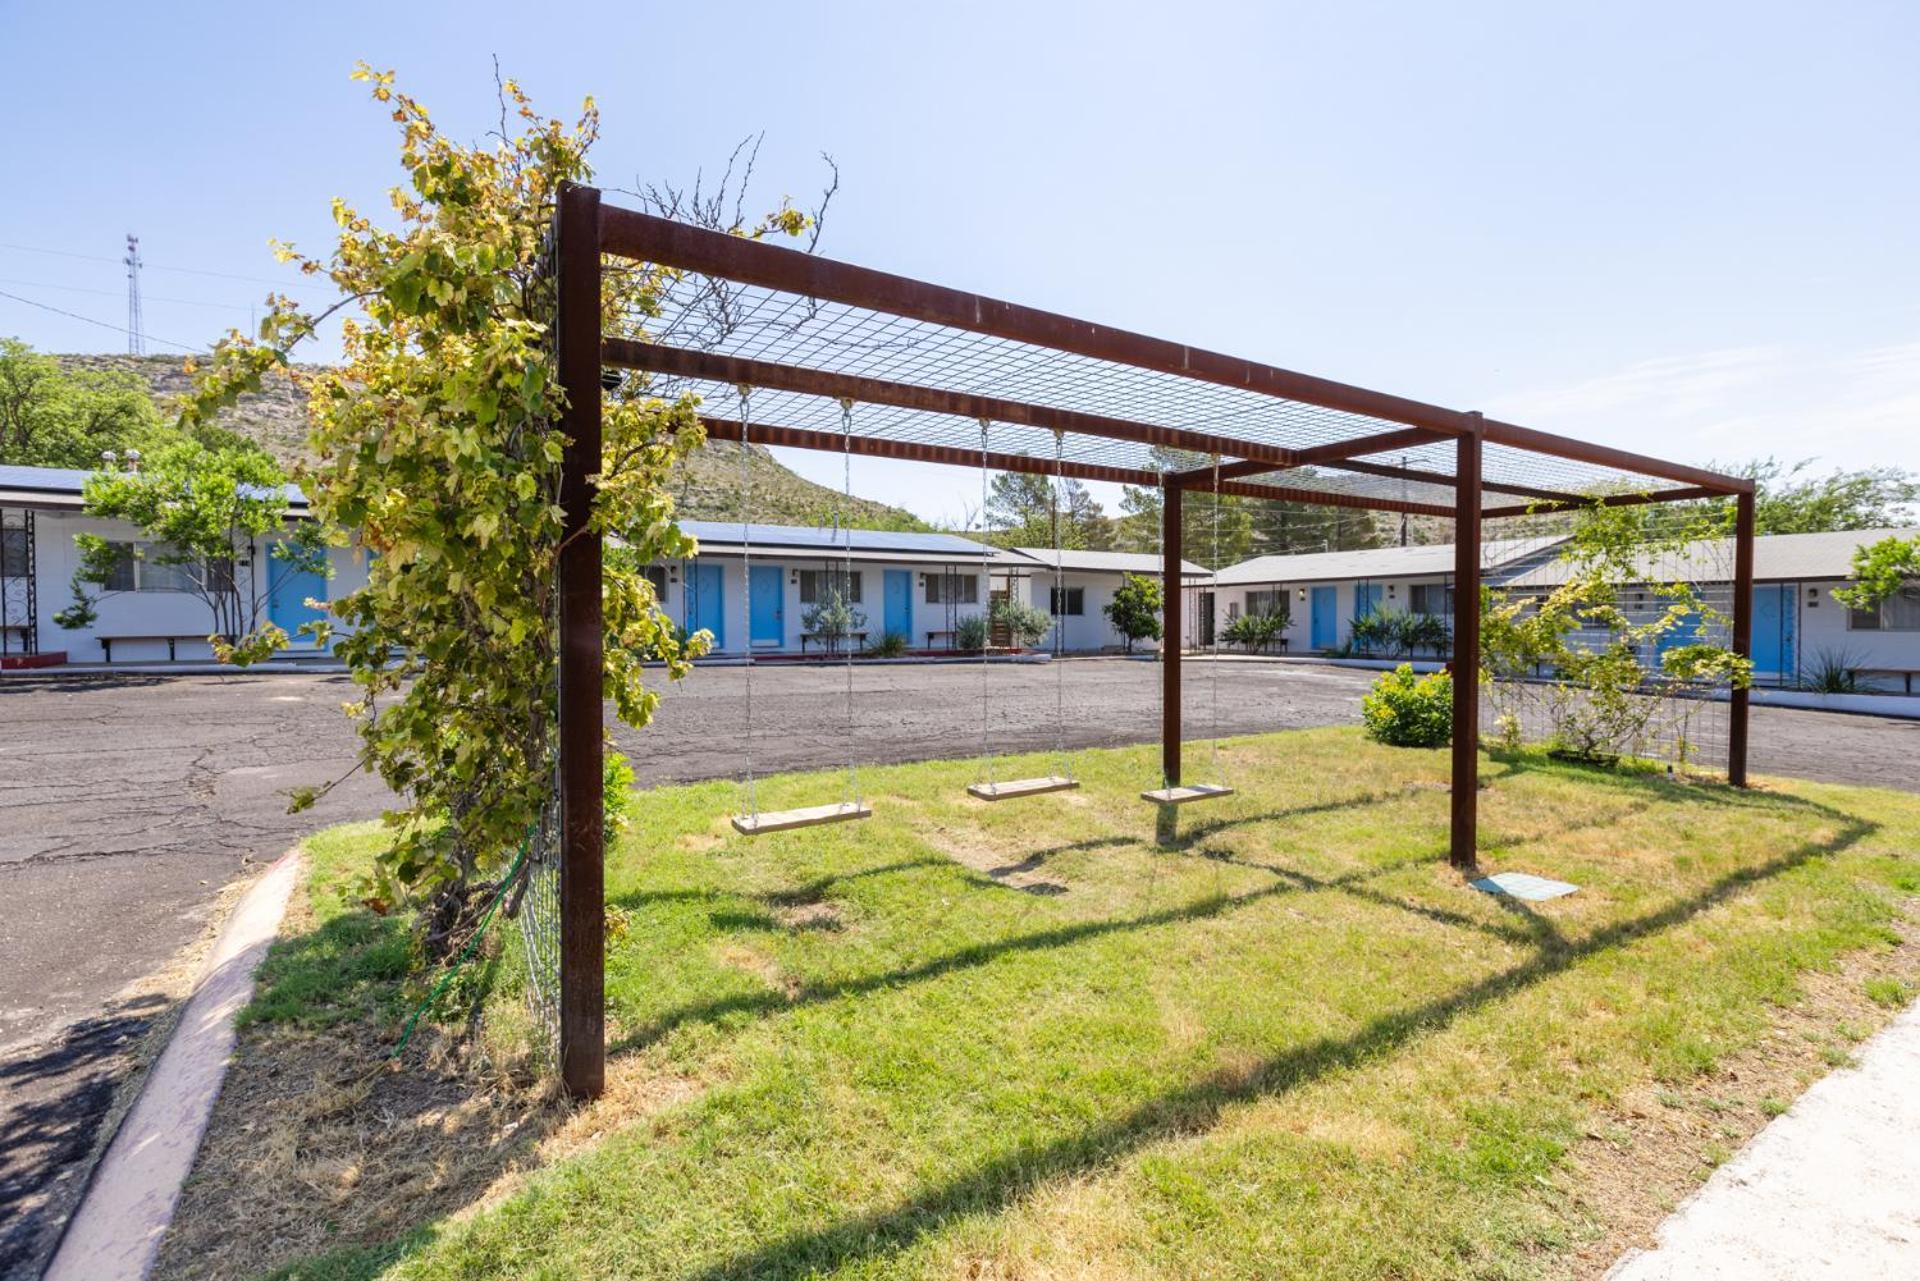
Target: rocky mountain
706 486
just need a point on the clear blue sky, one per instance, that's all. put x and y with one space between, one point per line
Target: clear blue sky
1686 228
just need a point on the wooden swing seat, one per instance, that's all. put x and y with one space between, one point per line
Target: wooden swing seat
812 816
1185 795
1022 787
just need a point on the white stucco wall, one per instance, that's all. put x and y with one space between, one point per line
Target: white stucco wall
154 614
1396 596
925 617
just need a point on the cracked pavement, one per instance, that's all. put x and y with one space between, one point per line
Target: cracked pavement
128 802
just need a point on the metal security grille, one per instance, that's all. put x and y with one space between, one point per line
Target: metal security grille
539 914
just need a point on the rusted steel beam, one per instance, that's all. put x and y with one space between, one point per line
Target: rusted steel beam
953 456
1581 451
1464 831
919 452
1360 446
1609 500
1322 497
1739 696
1172 592
583 1047
734 370
645 237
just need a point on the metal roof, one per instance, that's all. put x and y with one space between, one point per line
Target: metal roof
1379 562
1776 558
1098 562
721 535
61 488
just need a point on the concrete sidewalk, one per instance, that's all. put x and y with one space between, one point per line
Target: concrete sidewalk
1829 1190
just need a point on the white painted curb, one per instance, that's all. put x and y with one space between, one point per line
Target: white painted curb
115 1234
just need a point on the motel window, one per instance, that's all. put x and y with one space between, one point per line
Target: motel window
1071 601
817 585
953 589
13 552
1260 604
1898 613
135 569
1431 598
657 575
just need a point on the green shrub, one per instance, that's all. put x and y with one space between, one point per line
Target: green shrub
889 645
1404 710
1026 624
1256 631
970 633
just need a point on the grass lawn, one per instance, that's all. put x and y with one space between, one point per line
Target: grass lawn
1019 1040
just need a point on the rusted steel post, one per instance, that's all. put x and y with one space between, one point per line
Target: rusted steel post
1466 650
1742 635
1170 637
583 1047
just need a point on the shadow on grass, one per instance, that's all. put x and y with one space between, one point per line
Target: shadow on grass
979 954
1007 1179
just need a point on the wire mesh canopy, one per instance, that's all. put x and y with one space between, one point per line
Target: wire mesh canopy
928 364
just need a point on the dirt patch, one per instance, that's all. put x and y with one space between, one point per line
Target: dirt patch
316 1143
810 916
1658 1145
1025 874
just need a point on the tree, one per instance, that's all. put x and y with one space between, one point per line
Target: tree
208 512
1880 570
833 618
1787 501
52 417
439 438
1615 669
1024 506
1134 610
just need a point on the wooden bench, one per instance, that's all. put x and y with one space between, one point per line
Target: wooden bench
1906 674
173 651
859 638
933 636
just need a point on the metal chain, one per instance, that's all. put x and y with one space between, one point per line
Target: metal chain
1063 767
1213 632
986 708
746 585
844 518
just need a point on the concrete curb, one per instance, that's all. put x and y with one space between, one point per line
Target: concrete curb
115 1233
1829 1189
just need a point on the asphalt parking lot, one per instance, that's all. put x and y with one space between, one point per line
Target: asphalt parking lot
127 803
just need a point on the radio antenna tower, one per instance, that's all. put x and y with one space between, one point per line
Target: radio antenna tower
136 341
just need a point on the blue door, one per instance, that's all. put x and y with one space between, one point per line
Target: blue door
1366 599
899 603
706 606
1326 621
288 588
766 610
1773 630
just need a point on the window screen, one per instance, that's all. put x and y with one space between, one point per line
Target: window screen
817 584
1900 612
1071 601
1268 602
952 589
1431 598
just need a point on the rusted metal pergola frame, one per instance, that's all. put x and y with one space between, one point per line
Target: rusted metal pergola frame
587 231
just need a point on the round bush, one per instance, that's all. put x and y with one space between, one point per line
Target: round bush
1404 710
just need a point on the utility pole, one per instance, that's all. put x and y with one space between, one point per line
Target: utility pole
136 342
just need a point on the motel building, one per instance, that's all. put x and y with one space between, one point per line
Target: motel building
1323 592
1087 582
148 612
754 592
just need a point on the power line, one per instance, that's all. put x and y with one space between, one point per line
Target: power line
187 271
74 315
115 293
